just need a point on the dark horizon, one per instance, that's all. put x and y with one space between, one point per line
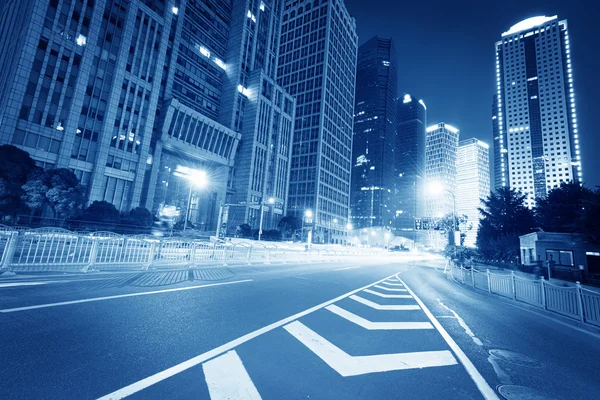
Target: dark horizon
446 57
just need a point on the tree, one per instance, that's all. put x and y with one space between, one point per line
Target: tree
563 209
58 189
271 234
103 213
244 230
288 225
591 221
140 217
15 168
504 218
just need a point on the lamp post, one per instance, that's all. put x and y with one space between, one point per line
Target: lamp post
437 188
270 201
194 177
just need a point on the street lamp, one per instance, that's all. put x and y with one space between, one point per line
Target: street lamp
270 201
437 188
195 177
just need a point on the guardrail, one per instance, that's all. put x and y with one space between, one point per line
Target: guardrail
573 302
56 249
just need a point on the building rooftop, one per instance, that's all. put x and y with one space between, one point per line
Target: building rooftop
529 23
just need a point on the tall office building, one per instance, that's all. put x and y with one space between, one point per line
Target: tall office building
372 197
131 95
410 162
317 65
472 183
500 152
536 107
440 169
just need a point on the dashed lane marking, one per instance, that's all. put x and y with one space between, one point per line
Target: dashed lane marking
347 365
386 307
227 378
389 296
372 326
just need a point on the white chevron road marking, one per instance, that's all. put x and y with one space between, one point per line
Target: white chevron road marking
347 365
374 326
386 307
390 289
388 296
227 378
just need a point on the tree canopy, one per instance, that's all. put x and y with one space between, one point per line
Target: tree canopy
504 218
57 188
102 212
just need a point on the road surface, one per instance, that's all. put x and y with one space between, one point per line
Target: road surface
370 329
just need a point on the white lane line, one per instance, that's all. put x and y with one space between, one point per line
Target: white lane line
389 296
119 296
392 284
343 269
227 378
480 382
386 307
174 370
347 365
14 284
373 326
389 289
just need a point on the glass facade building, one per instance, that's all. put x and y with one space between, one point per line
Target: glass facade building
440 168
372 196
472 184
317 65
123 92
537 118
410 162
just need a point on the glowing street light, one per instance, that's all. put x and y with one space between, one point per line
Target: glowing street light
196 178
436 188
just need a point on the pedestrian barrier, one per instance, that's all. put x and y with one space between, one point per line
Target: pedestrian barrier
571 301
57 249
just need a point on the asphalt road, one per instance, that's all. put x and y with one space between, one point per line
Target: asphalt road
369 329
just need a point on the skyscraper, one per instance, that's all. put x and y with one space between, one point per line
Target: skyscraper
410 162
472 183
440 169
537 120
372 197
317 65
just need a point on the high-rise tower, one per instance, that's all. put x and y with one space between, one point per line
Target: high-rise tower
537 119
373 200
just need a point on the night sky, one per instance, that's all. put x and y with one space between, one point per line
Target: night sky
446 56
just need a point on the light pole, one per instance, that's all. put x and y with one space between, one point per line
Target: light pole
436 188
270 201
194 177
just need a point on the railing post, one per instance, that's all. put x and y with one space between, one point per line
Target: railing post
192 262
93 255
514 289
249 255
487 271
151 254
9 251
472 276
462 274
543 288
580 301
268 261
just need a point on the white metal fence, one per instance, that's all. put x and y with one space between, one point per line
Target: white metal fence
56 249
571 301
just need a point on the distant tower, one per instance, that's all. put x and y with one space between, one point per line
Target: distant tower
472 183
372 197
440 168
500 152
410 162
537 120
